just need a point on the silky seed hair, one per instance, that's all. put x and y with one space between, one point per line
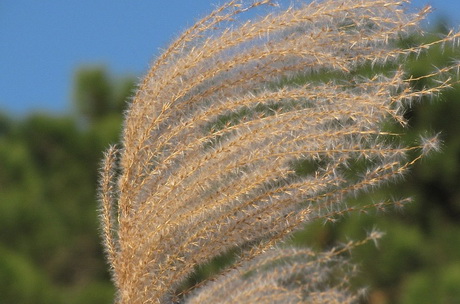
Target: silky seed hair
211 140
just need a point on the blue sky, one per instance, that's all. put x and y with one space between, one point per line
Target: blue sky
43 42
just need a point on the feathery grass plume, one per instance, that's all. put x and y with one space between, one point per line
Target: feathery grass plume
287 275
213 138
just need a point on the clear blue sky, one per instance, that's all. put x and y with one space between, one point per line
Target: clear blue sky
43 42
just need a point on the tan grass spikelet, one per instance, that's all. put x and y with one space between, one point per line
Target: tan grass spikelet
210 138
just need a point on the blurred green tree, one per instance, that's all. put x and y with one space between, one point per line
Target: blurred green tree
49 244
92 93
96 95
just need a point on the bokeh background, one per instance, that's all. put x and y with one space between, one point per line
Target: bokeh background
67 70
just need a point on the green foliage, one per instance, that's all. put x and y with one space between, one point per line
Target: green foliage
49 244
22 282
439 286
96 95
92 96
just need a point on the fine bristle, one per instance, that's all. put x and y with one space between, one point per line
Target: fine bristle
212 136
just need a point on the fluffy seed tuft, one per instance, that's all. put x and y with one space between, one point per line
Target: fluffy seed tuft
243 132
